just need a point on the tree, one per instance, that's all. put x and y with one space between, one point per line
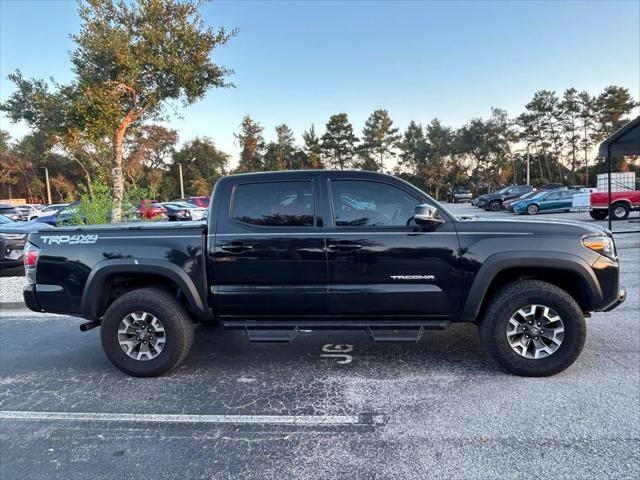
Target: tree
612 107
587 116
285 147
150 152
312 148
251 145
202 165
570 107
338 142
131 58
379 137
440 144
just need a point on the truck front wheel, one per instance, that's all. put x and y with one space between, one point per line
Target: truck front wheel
146 332
533 328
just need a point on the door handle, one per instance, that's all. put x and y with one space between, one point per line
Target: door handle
236 247
345 246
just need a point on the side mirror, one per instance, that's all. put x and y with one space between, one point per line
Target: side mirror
427 215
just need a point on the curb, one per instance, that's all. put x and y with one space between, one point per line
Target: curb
11 306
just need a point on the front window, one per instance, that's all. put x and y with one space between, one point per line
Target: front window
359 203
274 204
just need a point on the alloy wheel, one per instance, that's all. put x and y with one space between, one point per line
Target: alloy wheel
535 331
141 336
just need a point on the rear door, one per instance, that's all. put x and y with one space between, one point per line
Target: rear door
380 263
268 255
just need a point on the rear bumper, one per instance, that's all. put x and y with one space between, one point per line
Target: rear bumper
620 298
30 300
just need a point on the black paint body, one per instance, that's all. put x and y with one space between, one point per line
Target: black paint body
236 271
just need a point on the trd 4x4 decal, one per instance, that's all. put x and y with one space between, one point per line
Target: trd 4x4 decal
69 239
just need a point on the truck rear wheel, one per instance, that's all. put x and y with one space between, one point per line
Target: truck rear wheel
533 328
619 211
146 332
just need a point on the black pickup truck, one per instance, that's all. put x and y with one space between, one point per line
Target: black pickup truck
289 251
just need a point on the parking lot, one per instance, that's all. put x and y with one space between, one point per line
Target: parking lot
440 408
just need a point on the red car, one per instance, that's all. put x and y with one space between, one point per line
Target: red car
621 204
202 201
152 210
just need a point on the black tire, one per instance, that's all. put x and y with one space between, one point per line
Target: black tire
506 301
619 211
533 209
175 320
598 214
495 205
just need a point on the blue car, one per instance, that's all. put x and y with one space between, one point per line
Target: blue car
545 201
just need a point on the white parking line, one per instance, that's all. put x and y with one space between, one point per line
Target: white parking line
299 420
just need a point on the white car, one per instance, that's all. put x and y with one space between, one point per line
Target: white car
46 211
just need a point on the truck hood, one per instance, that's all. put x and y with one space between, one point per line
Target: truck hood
544 227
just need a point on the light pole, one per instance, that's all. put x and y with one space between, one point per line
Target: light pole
181 181
528 167
46 175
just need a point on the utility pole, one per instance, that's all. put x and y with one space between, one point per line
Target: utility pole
528 167
46 175
181 181
586 159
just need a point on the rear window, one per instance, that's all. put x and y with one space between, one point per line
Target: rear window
274 204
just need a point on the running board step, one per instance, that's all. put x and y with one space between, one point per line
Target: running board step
401 335
258 335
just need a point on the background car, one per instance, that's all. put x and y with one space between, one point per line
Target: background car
62 216
508 204
494 201
177 211
11 212
13 236
201 201
46 211
546 201
26 211
152 210
459 194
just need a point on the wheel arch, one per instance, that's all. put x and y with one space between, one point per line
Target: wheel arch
566 271
100 289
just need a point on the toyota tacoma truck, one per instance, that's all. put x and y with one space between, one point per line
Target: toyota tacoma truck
302 250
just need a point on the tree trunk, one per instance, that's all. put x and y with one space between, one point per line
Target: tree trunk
116 172
86 174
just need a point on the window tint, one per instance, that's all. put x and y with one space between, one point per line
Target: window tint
274 204
567 194
552 196
374 204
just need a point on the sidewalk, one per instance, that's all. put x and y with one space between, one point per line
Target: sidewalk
11 293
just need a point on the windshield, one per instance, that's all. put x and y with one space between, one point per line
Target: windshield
539 195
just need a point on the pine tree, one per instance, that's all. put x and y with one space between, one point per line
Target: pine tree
338 142
285 147
379 137
251 144
312 148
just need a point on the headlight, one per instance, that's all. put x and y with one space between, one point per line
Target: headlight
601 244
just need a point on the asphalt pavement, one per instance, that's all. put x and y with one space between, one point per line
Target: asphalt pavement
440 408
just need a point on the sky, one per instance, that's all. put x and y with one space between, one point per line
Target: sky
299 62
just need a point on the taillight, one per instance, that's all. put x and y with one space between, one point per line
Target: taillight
31 254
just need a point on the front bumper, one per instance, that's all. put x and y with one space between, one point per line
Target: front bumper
620 298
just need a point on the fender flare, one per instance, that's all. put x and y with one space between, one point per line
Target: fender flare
505 260
94 301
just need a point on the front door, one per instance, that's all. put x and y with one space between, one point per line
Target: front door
380 263
268 255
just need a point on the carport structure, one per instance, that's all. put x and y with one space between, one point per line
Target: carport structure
625 141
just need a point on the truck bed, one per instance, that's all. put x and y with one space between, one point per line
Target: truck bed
70 255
